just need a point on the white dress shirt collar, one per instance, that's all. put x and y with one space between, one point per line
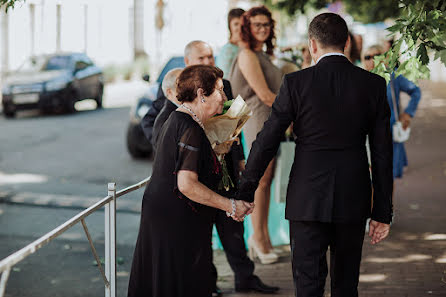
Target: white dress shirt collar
329 54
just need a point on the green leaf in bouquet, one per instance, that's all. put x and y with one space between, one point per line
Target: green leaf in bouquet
226 181
226 106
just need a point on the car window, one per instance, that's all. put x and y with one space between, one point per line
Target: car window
58 63
81 65
32 64
175 62
85 59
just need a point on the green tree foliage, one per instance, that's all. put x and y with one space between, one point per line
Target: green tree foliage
292 7
7 4
421 29
369 11
374 10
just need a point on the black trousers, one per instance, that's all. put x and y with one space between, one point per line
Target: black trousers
309 244
231 237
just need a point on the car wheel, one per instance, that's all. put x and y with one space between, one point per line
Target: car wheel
98 98
9 113
69 104
133 139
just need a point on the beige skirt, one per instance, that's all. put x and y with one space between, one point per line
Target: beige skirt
260 113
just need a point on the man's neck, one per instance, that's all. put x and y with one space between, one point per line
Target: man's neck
326 52
176 102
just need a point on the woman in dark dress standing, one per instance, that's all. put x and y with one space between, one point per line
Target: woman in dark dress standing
173 252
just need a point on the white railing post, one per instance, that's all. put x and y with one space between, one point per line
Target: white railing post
110 238
110 242
3 281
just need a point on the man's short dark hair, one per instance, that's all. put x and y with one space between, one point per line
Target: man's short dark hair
329 29
194 77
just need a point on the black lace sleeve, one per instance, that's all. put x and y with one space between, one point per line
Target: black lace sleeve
189 150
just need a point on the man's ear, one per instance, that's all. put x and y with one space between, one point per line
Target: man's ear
347 44
312 46
186 60
168 92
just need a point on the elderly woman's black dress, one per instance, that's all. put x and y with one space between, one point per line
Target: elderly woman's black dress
173 253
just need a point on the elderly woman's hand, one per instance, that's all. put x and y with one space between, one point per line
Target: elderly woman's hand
243 209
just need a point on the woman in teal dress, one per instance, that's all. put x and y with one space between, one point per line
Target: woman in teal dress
229 51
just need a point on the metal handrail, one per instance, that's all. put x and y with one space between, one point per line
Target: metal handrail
110 233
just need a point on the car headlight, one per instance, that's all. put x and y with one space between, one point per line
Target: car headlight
55 85
6 90
142 110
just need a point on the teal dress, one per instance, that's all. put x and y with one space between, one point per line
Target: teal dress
225 58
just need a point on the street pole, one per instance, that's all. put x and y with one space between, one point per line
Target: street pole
58 27
138 29
5 42
32 16
85 28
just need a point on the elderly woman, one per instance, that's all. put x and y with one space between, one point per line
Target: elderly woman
173 252
257 80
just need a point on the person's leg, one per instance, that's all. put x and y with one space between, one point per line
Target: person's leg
259 217
214 275
345 258
269 179
309 243
231 237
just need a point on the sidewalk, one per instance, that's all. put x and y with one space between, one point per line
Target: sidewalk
412 261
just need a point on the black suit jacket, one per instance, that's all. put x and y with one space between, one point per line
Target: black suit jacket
334 105
162 117
148 120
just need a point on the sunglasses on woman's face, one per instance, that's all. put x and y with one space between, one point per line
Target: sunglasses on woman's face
259 26
370 57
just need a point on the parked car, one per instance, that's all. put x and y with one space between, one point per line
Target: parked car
137 144
52 83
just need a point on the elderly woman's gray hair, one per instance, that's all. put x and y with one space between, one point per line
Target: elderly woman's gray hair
170 79
374 48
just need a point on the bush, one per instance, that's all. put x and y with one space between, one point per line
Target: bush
127 71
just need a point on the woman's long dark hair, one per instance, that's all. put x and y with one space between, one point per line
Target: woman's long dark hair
246 28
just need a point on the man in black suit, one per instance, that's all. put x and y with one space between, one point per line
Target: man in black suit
333 105
169 88
229 231
196 52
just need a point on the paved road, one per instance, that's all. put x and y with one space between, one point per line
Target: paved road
71 155
53 166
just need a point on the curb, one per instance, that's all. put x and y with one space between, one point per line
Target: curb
63 201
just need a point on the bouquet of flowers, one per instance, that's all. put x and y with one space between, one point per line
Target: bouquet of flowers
222 130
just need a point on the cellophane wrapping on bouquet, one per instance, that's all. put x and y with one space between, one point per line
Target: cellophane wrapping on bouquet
225 129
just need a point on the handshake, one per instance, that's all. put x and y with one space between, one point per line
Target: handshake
240 209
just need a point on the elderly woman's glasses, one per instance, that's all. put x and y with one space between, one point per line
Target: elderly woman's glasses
258 26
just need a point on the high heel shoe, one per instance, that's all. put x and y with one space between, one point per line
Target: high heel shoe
265 258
